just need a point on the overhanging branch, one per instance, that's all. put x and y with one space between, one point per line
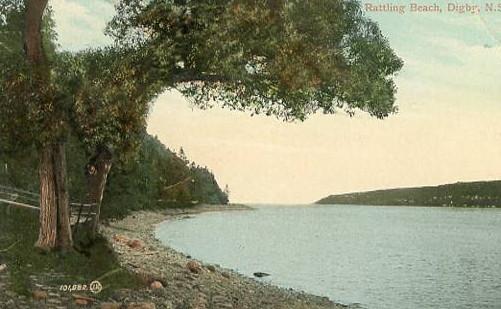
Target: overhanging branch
192 76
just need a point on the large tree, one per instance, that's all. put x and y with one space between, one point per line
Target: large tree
286 58
278 57
33 112
98 95
94 95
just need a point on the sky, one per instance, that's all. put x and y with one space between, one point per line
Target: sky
448 127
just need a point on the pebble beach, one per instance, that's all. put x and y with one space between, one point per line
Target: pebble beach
171 280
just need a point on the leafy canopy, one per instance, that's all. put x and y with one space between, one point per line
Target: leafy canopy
23 118
287 58
97 95
110 98
282 58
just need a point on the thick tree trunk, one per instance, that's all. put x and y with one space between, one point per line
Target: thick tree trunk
47 236
54 202
55 231
97 171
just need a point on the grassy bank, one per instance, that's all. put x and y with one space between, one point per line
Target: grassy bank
19 231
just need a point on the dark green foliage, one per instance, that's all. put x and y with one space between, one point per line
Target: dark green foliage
154 178
158 178
204 187
461 194
101 96
110 97
32 112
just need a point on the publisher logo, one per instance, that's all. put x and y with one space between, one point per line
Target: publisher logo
96 287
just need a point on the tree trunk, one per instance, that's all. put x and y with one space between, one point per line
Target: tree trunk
64 237
97 171
55 231
54 202
33 32
47 236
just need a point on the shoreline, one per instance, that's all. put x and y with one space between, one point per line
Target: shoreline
409 206
189 283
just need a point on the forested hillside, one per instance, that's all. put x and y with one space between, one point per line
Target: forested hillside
153 177
461 194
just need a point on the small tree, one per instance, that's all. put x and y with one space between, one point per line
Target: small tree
182 156
110 104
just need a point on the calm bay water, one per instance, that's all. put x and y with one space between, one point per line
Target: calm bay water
380 257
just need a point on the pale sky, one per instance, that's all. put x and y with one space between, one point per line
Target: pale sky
448 128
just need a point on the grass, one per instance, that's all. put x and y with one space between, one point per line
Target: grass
18 234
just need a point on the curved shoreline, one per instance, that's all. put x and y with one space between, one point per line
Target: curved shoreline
210 286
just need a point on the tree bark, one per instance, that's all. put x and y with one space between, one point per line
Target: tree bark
32 32
64 237
54 202
97 171
55 231
47 236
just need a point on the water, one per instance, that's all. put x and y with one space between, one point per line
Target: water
380 257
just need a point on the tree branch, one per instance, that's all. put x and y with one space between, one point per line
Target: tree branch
193 76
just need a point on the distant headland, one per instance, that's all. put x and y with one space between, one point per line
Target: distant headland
460 194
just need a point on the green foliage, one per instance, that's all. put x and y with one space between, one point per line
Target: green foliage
100 95
13 78
98 98
204 187
110 98
283 58
472 194
31 112
154 178
158 178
